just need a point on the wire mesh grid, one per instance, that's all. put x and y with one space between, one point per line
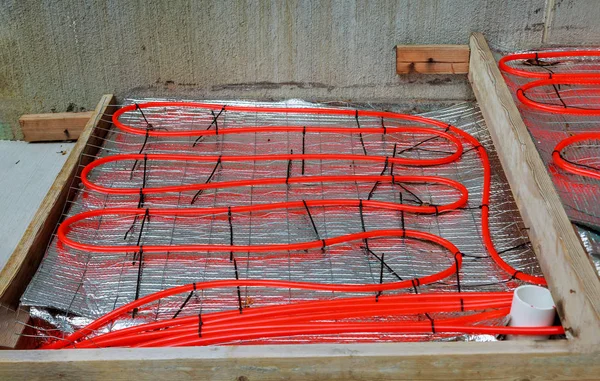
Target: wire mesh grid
71 287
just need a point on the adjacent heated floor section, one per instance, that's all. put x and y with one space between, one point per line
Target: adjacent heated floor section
558 94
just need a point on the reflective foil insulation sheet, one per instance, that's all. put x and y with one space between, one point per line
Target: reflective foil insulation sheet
74 286
569 85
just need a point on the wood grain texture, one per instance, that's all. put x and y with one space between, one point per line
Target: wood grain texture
25 259
567 267
399 361
432 59
54 126
12 324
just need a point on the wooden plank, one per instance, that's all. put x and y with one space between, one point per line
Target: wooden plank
12 325
391 361
432 59
432 68
568 269
25 259
54 126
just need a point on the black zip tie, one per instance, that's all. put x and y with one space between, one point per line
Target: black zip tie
402 218
148 124
214 121
472 149
380 276
311 220
514 276
185 302
385 165
303 147
373 190
437 211
200 324
457 270
230 233
146 216
415 283
393 157
289 168
362 222
388 267
139 280
559 97
575 163
418 144
145 168
139 153
323 245
141 199
514 247
383 126
417 198
432 323
237 277
207 181
462 305
362 219
362 142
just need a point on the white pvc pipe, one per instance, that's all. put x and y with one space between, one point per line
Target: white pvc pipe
532 306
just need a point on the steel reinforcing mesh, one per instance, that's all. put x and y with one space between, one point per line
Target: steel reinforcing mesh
71 287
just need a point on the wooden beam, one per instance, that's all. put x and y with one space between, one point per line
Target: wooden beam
512 360
26 257
568 269
432 59
54 126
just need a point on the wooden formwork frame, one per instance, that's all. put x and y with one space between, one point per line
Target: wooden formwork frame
571 277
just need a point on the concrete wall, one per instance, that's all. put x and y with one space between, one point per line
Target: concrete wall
62 55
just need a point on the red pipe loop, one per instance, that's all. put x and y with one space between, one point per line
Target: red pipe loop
557 109
503 63
568 166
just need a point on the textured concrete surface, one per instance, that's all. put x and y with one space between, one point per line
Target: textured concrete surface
62 55
573 22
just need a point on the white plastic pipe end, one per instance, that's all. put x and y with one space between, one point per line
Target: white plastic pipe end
532 306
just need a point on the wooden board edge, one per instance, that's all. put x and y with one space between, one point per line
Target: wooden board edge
432 59
431 361
12 326
54 126
23 262
571 277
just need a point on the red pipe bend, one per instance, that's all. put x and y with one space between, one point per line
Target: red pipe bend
503 63
557 109
560 161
